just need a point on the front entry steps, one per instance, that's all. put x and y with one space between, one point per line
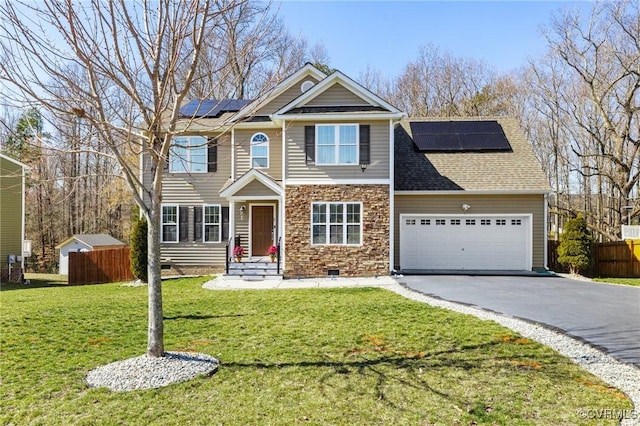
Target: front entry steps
254 269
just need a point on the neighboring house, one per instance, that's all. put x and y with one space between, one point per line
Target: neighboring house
82 243
12 193
334 174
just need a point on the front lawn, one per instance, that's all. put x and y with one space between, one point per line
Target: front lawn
627 281
330 356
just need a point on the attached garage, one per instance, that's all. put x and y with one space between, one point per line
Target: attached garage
468 195
465 242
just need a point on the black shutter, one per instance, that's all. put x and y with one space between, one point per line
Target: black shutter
310 144
365 157
184 223
225 223
212 155
165 166
197 223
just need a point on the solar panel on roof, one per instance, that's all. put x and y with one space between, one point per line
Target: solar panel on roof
459 136
212 107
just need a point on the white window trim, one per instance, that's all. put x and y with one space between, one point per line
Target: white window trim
337 145
252 144
344 224
187 161
177 224
204 223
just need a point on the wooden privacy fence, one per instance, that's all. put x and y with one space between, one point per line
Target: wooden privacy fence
100 266
620 259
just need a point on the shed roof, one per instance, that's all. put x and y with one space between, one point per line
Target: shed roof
93 240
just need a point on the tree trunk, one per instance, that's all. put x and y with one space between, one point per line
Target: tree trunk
155 338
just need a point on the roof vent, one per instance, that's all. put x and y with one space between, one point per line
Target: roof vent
306 86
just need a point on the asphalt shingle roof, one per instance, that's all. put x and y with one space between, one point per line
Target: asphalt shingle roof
97 240
518 170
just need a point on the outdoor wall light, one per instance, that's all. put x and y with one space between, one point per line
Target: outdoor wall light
363 167
466 207
243 208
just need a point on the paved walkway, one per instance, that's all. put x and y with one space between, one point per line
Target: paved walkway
229 283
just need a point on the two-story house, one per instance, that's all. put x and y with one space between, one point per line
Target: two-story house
344 184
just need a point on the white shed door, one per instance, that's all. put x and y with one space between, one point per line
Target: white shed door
462 242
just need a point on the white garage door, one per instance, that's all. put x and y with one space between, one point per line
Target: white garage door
459 242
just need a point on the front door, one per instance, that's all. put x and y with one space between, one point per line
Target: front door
261 229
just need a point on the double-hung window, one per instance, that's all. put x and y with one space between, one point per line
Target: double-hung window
188 155
336 223
337 144
211 223
169 224
260 151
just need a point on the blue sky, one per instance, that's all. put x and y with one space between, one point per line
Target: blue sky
387 34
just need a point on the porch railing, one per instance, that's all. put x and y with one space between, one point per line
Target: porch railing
278 254
227 257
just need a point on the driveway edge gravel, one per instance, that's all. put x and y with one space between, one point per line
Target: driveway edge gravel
623 376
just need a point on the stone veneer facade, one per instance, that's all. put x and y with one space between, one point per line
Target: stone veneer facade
306 260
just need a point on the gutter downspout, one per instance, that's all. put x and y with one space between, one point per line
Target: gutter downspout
546 232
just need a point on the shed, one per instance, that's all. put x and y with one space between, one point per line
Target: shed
84 242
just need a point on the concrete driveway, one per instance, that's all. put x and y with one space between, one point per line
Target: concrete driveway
603 315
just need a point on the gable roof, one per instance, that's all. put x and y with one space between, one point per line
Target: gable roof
14 161
232 188
307 70
517 170
379 105
93 240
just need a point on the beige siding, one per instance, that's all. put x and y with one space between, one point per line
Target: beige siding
336 95
284 98
10 210
255 188
195 190
296 160
242 225
243 152
480 204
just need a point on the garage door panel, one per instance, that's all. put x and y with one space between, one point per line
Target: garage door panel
465 242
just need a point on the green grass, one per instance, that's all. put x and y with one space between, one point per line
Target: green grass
37 281
313 356
626 281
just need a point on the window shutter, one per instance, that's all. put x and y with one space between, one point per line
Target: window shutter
212 155
225 223
310 144
197 223
165 167
365 157
184 223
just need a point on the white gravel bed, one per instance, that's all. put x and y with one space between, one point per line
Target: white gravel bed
623 376
145 372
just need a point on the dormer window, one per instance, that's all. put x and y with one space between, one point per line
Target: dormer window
260 151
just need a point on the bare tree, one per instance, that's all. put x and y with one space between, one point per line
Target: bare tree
126 54
440 84
603 54
250 51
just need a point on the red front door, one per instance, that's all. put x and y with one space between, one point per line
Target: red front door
261 229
